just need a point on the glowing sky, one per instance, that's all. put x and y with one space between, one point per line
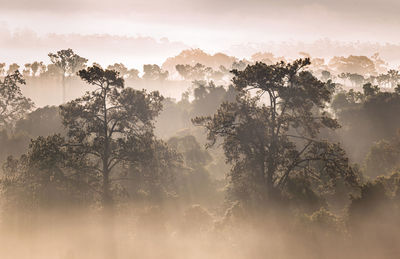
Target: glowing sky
213 25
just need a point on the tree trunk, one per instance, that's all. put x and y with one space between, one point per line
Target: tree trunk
110 251
63 88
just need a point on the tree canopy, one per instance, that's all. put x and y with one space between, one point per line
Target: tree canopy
68 64
110 124
271 136
13 105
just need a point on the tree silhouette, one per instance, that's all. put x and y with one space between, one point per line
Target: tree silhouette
111 124
48 175
275 140
194 56
13 105
12 68
27 70
394 78
2 68
383 157
353 64
154 73
35 67
69 63
120 68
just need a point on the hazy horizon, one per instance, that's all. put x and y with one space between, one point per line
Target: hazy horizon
136 32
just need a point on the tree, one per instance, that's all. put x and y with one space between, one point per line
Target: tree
345 100
124 71
194 56
108 132
68 62
111 124
356 79
272 141
196 72
35 67
195 160
267 58
240 65
133 74
50 71
107 129
155 175
12 144
154 73
325 75
366 117
376 208
43 121
394 78
27 70
208 97
48 175
390 79
200 72
397 89
383 79
184 71
344 76
13 105
370 90
2 68
353 64
12 68
380 64
383 157
120 68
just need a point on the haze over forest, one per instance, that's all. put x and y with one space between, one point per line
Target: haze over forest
137 33
199 129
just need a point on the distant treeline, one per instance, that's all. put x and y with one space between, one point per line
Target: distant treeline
259 141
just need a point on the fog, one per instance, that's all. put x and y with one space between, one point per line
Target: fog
184 129
149 234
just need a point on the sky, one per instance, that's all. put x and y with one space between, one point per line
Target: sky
148 31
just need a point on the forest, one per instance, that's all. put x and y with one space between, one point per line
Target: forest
202 156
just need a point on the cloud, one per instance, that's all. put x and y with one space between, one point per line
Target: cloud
101 27
25 45
223 7
211 21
